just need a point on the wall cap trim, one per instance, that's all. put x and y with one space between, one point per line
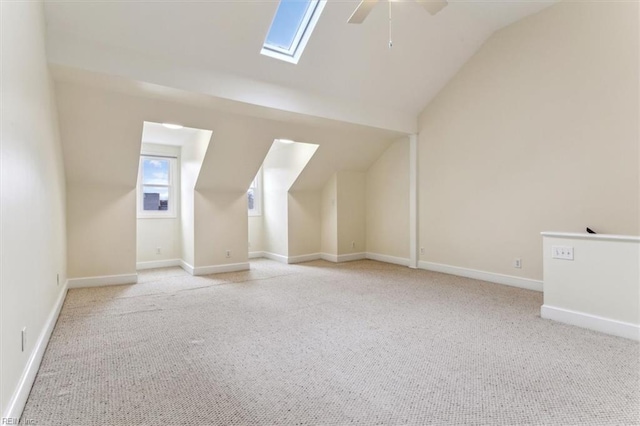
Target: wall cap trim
595 237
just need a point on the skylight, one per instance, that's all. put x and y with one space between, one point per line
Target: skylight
291 28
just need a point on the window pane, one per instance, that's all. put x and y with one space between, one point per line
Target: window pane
155 198
155 171
286 23
251 199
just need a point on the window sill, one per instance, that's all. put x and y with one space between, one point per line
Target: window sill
153 216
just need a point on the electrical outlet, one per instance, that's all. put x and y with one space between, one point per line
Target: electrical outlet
421 250
228 253
158 250
24 338
353 244
517 263
562 252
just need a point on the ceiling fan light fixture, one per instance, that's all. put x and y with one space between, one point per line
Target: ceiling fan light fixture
364 8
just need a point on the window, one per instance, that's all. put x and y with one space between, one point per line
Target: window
156 193
291 29
254 196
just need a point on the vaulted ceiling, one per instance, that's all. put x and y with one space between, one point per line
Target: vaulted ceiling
347 72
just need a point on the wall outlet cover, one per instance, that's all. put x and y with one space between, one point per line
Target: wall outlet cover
562 252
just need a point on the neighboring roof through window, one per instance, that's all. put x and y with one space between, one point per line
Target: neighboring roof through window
291 28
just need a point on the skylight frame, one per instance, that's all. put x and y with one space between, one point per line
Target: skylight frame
303 34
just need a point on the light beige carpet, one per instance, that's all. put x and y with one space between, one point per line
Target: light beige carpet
362 343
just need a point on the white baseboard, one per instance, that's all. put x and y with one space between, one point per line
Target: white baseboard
303 258
509 280
103 280
218 269
19 398
329 257
273 256
592 322
388 259
184 265
342 257
255 254
286 259
157 264
351 256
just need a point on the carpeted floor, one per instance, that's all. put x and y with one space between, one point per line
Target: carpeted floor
361 343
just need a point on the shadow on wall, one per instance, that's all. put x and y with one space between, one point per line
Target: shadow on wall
282 165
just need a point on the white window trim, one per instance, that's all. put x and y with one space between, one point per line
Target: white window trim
171 212
301 38
257 195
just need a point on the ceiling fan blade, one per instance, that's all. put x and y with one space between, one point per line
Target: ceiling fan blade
362 11
433 6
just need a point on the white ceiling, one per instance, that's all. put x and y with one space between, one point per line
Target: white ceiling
344 62
158 134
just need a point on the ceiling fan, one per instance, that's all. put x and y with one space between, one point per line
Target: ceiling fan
365 6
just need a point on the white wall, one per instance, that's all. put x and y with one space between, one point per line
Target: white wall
33 197
101 230
220 225
602 280
329 217
304 212
282 166
256 223
351 201
191 157
387 202
163 233
537 132
101 120
255 233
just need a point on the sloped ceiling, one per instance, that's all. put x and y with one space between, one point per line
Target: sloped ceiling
101 124
159 134
347 72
